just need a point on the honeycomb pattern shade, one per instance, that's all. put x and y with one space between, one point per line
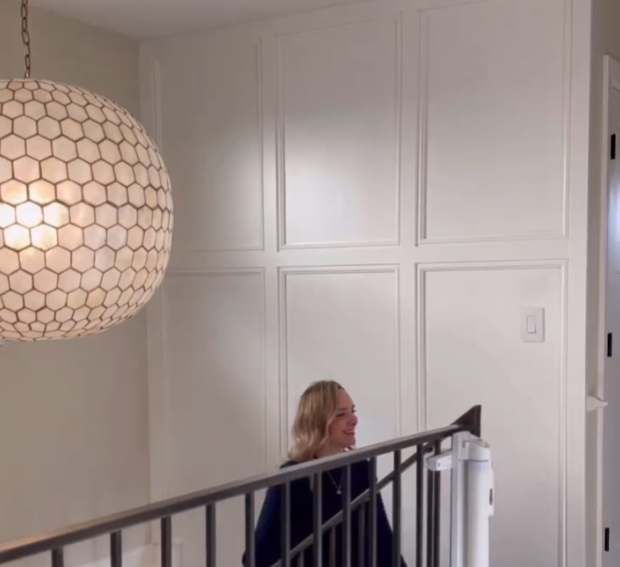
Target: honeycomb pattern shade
85 212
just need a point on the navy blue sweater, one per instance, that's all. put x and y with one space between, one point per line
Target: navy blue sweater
268 529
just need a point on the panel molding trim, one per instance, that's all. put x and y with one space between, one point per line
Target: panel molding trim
159 377
257 42
283 275
558 264
157 407
155 118
283 244
423 119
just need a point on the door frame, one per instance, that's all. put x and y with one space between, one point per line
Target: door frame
611 80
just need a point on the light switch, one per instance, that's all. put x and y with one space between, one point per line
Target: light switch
530 324
533 325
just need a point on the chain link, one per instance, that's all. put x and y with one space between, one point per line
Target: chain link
26 38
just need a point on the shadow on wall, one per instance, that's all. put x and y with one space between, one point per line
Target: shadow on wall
74 435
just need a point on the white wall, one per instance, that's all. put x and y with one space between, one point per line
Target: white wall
372 193
73 415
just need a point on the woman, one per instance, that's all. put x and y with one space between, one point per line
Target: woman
324 425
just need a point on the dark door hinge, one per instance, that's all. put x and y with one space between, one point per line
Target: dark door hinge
613 147
606 546
610 345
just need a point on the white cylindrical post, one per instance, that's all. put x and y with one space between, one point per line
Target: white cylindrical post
460 443
478 496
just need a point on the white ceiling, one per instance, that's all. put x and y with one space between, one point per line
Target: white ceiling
146 19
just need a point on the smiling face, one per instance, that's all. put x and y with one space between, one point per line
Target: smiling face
325 422
342 427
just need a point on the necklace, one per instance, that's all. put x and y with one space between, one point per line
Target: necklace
338 487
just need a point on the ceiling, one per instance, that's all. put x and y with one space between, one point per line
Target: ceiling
147 19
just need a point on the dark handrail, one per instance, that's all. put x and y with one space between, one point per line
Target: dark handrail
25 547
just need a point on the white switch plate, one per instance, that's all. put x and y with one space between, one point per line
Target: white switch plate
533 325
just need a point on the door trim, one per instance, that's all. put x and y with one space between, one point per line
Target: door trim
611 80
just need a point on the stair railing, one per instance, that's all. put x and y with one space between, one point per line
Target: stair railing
471 497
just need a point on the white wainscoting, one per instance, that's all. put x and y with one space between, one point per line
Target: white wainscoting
372 193
521 386
339 135
342 324
217 151
493 124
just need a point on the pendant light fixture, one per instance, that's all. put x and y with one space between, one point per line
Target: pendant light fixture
85 210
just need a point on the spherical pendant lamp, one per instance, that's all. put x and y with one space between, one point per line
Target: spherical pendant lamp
85 211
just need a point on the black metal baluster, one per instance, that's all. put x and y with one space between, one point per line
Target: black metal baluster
210 534
437 511
300 561
285 522
332 547
361 535
430 519
396 510
372 512
419 512
250 551
317 515
346 516
116 549
166 542
58 557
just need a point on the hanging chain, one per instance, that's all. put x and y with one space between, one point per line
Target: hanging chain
26 39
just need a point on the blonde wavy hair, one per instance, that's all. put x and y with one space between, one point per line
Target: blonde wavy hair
316 410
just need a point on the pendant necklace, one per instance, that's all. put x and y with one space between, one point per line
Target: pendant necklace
336 486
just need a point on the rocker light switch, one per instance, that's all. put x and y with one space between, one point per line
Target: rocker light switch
533 325
530 324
